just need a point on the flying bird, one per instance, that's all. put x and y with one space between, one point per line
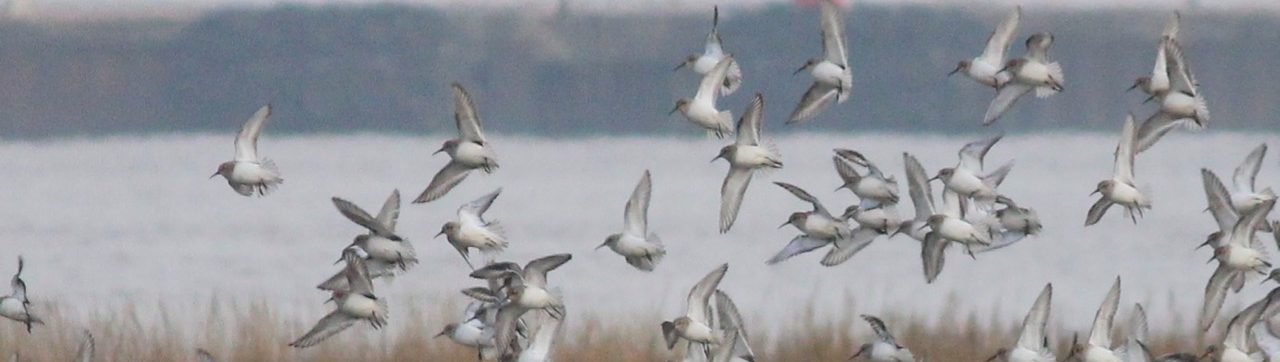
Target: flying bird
473 231
248 173
16 306
702 109
1033 71
695 326
1120 188
712 54
1033 343
468 152
885 348
747 154
1182 106
985 68
832 77
641 248
357 304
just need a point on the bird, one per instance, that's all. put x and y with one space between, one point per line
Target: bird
526 290
473 231
702 109
247 173
1033 71
885 348
85 352
1120 188
711 55
948 226
1099 347
985 68
873 189
383 255
477 327
641 248
819 228
695 326
468 152
1268 342
1033 344
1015 224
1182 106
16 306
1244 196
747 154
832 77
967 178
204 356
357 304
1236 340
1238 253
539 348
921 198
735 347
1156 85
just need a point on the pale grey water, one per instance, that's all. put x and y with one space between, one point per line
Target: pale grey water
136 219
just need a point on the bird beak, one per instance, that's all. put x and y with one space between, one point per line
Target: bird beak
214 174
1150 98
922 226
1095 192
1135 85
438 234
935 177
957 70
681 65
784 224
602 245
1211 259
802 68
438 335
673 110
713 160
438 151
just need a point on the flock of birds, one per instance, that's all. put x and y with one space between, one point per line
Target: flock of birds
515 313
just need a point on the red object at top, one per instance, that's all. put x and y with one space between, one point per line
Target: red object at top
815 3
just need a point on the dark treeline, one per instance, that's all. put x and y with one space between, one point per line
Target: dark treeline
387 68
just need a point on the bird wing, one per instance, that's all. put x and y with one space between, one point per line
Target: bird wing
882 332
918 187
1248 170
19 287
1038 47
998 42
1125 152
751 122
1005 97
390 212
1171 26
799 245
712 47
833 39
357 275
476 208
85 352
1180 77
535 273
451 175
1160 72
1215 292
699 307
1267 340
464 115
803 195
731 194
711 82
1032 336
846 247
636 214
362 218
505 327
817 98
1101 334
933 254
247 140
971 154
1242 232
331 324
1219 201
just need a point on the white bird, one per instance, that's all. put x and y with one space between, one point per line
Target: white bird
952 225
85 352
357 304
473 231
468 152
736 347
702 109
248 173
1244 196
695 326
1134 349
711 55
1100 347
819 228
986 67
642 249
526 291
1121 188
872 189
1182 106
539 349
16 306
745 155
885 348
1033 71
1236 341
832 77
383 256
1156 85
967 178
921 198
1238 252
1016 223
1033 344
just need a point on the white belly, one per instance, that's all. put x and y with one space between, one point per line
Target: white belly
475 236
536 298
829 73
13 309
704 114
699 332
1245 202
982 72
1034 73
819 227
359 306
1243 258
633 246
1098 354
873 188
1025 355
751 157
878 218
958 230
705 63
472 334
251 173
388 250
471 154
1235 355
965 182
1179 105
1124 194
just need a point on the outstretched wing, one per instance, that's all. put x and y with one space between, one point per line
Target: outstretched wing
998 42
1032 336
803 195
1248 170
751 122
328 326
247 140
636 215
464 114
833 40
390 212
362 218
699 308
535 273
